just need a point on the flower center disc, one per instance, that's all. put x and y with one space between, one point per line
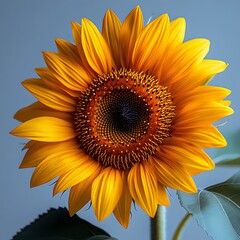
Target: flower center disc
122 117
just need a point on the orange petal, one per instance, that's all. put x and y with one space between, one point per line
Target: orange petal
173 175
95 48
76 30
129 32
38 151
68 49
57 164
69 73
162 196
106 192
87 167
28 144
46 74
80 194
176 37
123 208
193 159
51 97
38 109
48 77
143 187
110 31
45 129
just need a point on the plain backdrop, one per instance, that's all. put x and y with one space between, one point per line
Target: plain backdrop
29 27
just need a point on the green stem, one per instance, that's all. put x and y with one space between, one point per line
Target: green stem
158 224
181 226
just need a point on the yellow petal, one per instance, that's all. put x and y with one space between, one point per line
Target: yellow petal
162 195
204 136
95 48
193 159
80 194
186 56
110 31
45 129
38 109
173 175
123 208
151 44
196 76
177 33
38 151
106 192
176 37
69 73
143 187
51 97
87 167
203 94
226 103
129 32
203 114
55 165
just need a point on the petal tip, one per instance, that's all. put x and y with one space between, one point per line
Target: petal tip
75 24
124 224
71 212
57 40
22 165
137 7
15 131
33 184
55 191
85 21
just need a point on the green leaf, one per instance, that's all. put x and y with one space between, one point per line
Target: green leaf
56 224
217 208
231 159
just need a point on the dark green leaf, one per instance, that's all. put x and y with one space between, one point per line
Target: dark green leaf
217 208
101 238
54 238
231 159
56 224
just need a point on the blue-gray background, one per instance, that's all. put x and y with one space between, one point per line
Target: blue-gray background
29 27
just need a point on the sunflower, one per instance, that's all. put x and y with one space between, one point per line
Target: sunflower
123 114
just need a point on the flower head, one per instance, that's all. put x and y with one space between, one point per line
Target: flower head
123 114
